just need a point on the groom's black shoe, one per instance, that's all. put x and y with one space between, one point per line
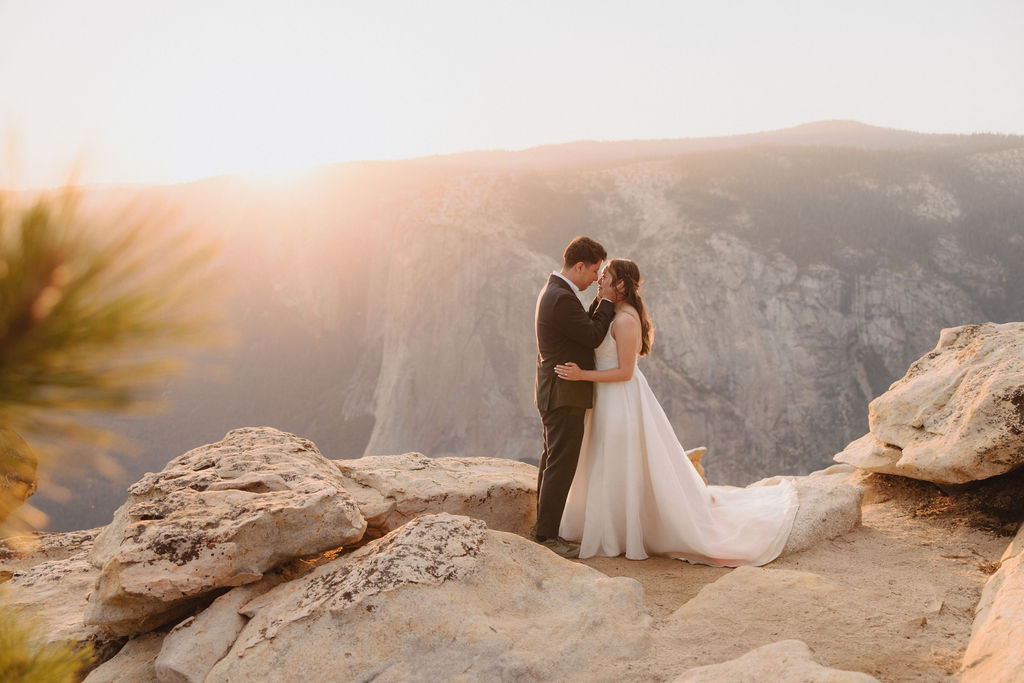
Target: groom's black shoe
561 547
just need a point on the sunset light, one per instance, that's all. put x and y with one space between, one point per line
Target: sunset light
548 340
166 92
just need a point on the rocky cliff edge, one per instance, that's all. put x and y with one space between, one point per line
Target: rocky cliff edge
257 556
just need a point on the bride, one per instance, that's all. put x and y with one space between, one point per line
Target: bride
635 491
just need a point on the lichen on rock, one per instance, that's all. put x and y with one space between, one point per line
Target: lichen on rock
441 598
427 551
218 516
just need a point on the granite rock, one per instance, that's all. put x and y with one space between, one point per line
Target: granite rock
994 654
55 593
441 598
829 506
195 645
391 490
216 517
956 416
133 664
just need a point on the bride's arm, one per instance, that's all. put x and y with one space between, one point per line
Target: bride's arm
627 340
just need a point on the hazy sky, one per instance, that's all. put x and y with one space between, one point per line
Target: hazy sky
163 91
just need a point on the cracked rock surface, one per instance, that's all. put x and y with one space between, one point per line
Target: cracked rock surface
196 644
393 489
218 516
441 598
957 415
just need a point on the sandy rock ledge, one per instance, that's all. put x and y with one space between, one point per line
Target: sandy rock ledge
745 609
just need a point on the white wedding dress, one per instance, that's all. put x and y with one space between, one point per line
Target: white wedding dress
636 492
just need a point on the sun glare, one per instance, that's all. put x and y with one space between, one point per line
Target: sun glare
173 92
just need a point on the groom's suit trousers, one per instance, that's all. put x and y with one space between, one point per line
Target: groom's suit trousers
563 433
566 332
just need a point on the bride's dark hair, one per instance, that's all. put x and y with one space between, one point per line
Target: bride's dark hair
625 272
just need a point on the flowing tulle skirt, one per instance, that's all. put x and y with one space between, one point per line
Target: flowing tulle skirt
636 492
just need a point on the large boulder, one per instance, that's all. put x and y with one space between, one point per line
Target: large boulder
441 598
218 516
829 506
786 660
994 653
391 490
957 415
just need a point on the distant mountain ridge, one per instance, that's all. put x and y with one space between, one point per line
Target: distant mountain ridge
837 133
385 307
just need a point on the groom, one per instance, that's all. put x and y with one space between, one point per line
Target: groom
565 332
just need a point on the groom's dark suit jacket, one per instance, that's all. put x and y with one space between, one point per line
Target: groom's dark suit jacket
567 332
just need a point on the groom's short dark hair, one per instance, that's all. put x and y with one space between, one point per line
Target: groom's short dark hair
583 249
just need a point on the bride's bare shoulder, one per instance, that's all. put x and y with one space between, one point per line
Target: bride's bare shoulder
627 314
629 311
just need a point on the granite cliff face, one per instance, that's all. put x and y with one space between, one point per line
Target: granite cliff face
388 307
768 344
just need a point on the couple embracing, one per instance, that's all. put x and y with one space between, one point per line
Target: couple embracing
613 477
